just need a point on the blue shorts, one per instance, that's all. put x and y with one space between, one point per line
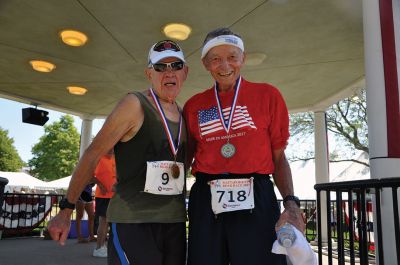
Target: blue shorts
238 238
85 197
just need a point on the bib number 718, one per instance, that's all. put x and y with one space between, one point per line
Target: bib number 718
239 196
231 195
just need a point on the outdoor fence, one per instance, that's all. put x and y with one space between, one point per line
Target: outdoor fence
23 213
350 219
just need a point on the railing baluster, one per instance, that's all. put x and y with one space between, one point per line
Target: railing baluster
351 226
328 225
396 222
319 232
379 225
359 224
364 243
340 240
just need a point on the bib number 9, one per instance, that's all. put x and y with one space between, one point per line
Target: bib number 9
160 180
165 178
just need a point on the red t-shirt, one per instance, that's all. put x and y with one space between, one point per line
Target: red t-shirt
105 173
260 125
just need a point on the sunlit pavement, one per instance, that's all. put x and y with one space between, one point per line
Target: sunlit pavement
37 251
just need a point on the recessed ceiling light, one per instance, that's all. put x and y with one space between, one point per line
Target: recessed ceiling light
42 66
177 31
255 58
73 37
76 90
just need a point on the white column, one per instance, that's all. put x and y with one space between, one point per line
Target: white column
86 133
321 165
375 82
384 160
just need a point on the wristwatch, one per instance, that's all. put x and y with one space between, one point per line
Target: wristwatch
292 198
64 203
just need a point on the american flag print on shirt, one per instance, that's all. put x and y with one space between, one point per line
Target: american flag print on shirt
210 122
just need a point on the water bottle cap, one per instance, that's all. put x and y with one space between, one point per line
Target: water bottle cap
287 243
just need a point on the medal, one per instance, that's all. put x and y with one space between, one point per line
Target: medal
228 150
175 171
174 148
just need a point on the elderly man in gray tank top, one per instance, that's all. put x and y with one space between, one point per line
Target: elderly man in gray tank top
146 129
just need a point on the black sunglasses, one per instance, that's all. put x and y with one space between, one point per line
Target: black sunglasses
166 45
162 67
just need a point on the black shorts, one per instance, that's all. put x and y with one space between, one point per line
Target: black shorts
240 237
147 243
85 197
101 206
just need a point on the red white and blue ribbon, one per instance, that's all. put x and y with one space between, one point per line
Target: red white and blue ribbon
227 123
174 148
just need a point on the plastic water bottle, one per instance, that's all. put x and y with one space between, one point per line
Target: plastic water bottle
286 235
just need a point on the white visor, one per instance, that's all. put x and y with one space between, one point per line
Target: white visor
222 40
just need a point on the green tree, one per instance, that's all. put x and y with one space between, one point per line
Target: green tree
57 152
346 120
9 157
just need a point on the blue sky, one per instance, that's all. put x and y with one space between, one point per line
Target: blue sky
26 135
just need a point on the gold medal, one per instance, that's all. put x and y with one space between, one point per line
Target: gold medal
175 171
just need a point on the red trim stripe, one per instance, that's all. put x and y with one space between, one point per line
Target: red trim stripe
391 81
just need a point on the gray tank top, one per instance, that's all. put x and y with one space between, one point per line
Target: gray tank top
130 204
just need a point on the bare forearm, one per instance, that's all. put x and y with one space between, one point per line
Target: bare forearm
283 180
82 175
96 180
283 175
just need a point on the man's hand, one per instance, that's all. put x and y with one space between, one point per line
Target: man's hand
59 226
292 214
103 189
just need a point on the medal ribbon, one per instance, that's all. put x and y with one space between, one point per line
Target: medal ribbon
174 148
227 123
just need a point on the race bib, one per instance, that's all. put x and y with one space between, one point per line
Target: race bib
160 180
229 195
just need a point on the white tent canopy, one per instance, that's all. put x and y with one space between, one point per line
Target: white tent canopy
61 183
20 180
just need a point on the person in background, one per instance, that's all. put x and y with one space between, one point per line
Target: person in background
147 212
105 178
85 204
238 131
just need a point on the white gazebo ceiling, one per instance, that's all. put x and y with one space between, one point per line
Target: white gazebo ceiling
313 48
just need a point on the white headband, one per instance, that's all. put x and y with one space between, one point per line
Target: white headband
222 40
